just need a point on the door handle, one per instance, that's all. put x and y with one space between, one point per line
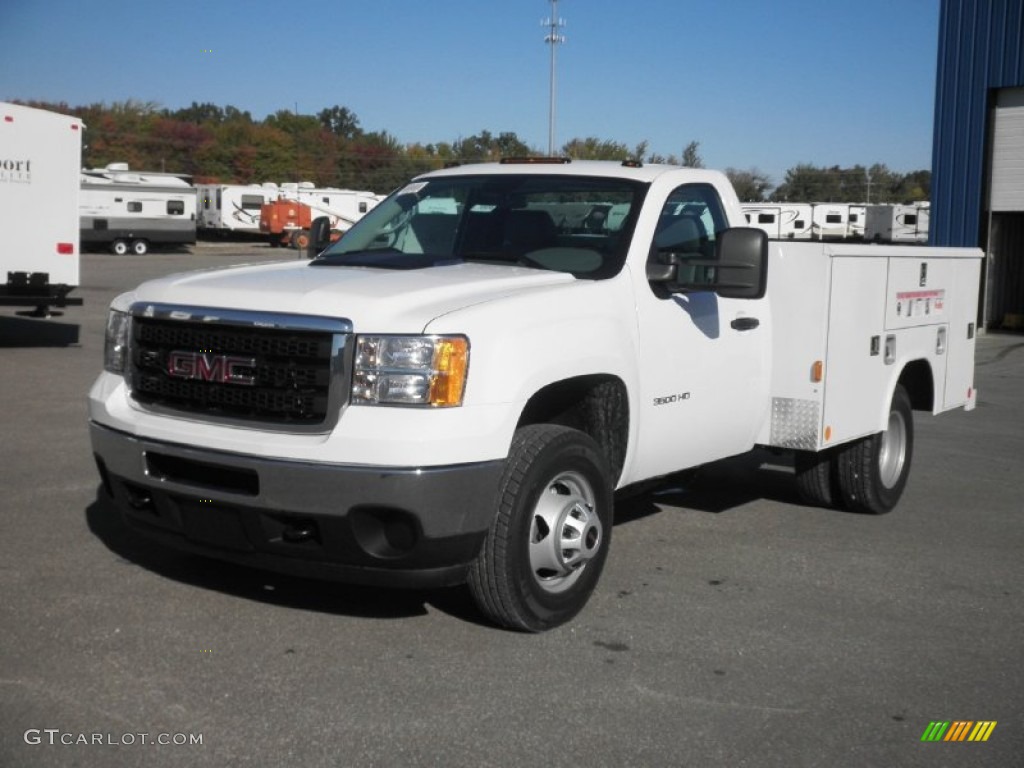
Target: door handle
745 323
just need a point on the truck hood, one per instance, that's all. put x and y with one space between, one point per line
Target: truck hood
375 300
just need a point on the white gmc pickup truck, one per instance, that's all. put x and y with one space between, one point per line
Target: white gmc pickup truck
454 391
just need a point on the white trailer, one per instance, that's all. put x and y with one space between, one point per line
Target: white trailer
344 207
40 154
126 210
830 221
781 221
233 208
858 213
807 221
897 223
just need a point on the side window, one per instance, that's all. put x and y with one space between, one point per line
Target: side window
691 221
134 207
176 207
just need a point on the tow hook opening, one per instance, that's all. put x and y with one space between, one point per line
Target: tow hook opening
293 530
140 499
299 532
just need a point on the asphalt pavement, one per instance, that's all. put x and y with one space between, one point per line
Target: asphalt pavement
732 626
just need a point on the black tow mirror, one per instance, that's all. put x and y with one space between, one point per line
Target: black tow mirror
738 271
661 267
742 263
319 236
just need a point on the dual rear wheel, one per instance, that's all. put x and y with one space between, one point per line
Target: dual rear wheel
867 475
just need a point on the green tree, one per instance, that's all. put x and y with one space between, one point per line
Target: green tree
691 156
341 121
751 186
593 148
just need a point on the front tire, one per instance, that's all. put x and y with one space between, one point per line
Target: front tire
873 470
140 247
548 543
119 247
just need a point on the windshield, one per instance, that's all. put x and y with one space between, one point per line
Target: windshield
572 224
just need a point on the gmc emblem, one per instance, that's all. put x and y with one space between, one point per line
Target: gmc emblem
205 366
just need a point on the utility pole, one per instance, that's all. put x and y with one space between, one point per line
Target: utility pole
554 25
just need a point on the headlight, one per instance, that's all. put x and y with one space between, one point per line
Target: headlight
410 370
115 343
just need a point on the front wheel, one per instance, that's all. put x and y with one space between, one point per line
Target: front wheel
873 470
140 247
546 548
119 247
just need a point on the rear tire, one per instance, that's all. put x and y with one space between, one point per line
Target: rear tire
140 247
548 543
119 247
873 470
816 480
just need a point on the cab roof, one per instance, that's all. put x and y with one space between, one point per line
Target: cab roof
566 167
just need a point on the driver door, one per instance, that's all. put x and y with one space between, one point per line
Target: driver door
704 358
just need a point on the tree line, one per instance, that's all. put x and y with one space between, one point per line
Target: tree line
215 144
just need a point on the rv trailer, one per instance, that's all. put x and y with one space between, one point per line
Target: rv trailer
780 221
233 208
344 207
830 221
287 220
857 213
897 223
126 210
39 257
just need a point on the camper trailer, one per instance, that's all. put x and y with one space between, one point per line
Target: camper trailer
233 208
126 210
897 223
39 255
857 214
344 207
807 221
831 221
286 221
781 221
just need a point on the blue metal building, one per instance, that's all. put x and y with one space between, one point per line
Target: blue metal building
978 150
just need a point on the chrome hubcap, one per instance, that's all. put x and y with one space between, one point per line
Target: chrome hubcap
894 450
565 532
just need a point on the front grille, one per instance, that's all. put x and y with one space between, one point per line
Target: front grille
285 376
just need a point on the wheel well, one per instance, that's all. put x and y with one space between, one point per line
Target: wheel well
917 380
596 405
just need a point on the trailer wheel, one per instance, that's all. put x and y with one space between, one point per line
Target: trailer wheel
119 247
873 470
816 480
300 239
140 247
546 548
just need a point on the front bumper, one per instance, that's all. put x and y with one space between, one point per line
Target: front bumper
412 527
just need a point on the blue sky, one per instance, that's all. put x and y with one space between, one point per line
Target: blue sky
758 83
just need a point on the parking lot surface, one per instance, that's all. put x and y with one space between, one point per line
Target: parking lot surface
732 626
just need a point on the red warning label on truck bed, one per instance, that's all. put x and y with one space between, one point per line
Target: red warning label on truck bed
920 303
